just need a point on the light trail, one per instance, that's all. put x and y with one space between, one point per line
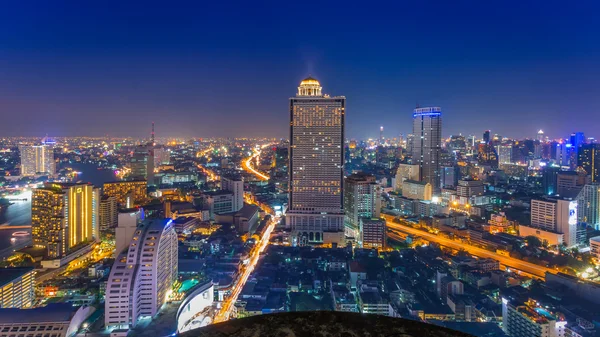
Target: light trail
524 266
223 315
247 164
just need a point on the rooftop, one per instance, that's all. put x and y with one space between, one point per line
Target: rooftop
55 312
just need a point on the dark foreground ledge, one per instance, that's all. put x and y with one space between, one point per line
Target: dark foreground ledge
323 323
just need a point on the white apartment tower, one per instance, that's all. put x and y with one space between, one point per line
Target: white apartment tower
556 215
37 159
142 275
236 186
316 159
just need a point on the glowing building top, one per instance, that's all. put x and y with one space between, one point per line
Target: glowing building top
309 87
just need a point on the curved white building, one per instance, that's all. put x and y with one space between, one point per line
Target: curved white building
142 275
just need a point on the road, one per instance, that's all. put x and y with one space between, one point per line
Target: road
527 267
211 176
247 164
225 312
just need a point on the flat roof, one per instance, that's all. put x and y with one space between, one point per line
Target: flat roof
55 312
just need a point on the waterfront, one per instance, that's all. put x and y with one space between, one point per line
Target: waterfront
19 212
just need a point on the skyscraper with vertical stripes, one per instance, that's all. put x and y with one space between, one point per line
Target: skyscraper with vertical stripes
316 160
427 144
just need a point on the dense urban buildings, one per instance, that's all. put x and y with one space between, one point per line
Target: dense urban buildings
427 130
316 200
128 193
361 200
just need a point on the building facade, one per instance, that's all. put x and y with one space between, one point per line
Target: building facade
588 158
37 159
427 144
556 215
406 172
316 160
361 199
142 275
588 205
63 216
373 233
236 186
109 212
17 287
124 190
419 190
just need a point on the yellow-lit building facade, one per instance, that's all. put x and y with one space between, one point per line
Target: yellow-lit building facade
17 288
64 216
124 191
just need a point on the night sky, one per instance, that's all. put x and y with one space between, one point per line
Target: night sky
227 68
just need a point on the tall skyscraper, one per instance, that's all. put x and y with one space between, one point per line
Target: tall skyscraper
142 163
361 200
540 136
108 215
588 158
486 136
504 154
142 275
549 179
316 160
62 217
427 128
37 159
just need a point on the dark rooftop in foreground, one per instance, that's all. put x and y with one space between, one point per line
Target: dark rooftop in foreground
322 323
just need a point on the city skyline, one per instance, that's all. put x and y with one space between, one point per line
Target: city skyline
115 73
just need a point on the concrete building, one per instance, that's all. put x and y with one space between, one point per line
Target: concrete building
142 276
37 160
406 172
419 190
236 186
595 247
588 205
53 320
128 220
141 163
556 215
162 156
427 144
361 199
108 217
527 320
17 287
220 202
504 154
449 176
468 188
570 183
124 191
548 237
63 217
373 233
316 161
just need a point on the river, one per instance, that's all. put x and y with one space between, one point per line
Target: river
19 213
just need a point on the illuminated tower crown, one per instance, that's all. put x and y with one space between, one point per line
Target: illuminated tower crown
309 87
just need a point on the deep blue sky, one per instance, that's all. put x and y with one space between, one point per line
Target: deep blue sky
227 68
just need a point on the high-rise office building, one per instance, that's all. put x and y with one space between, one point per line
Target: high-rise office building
588 205
37 159
449 176
556 215
504 154
142 275
588 158
486 136
540 136
62 217
161 156
108 215
549 179
316 160
17 287
361 200
142 163
427 128
235 185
